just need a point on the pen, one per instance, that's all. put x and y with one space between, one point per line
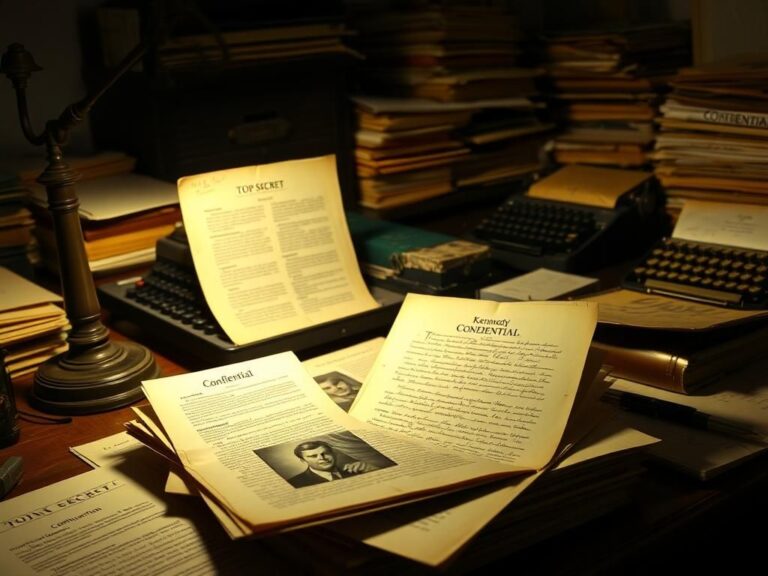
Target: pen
679 414
10 473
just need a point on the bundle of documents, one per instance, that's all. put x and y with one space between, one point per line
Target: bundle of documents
33 326
605 87
122 217
443 88
410 150
713 142
264 445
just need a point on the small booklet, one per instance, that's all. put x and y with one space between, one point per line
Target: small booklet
463 393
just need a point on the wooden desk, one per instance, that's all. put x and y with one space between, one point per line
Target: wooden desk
672 522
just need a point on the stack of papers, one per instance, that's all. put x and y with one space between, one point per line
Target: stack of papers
606 86
122 217
261 442
714 126
443 103
33 326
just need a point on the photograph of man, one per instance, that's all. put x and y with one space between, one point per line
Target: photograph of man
323 458
323 465
340 388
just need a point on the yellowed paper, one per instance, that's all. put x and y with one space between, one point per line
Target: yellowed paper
271 247
589 185
729 224
104 522
235 429
497 379
631 308
18 292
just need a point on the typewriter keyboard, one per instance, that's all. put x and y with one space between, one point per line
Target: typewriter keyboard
173 291
537 228
721 275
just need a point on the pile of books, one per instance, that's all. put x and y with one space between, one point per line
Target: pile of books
713 143
446 103
33 326
122 217
605 88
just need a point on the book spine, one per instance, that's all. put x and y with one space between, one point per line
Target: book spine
650 367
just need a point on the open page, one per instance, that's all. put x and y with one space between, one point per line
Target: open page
271 247
496 379
264 440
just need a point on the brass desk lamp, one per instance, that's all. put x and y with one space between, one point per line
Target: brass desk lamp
95 374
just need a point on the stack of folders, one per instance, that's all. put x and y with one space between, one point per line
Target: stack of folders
605 87
33 325
122 217
444 103
713 143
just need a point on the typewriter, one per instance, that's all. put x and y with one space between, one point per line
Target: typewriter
709 273
168 306
594 217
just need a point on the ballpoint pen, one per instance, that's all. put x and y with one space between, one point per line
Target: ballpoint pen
679 414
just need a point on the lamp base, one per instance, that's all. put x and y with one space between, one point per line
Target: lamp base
94 379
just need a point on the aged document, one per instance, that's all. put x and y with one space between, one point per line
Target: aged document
495 379
635 309
237 430
271 247
103 522
589 185
729 224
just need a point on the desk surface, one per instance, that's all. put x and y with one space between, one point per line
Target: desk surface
670 517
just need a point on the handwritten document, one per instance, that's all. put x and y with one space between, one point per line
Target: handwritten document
729 224
495 379
271 247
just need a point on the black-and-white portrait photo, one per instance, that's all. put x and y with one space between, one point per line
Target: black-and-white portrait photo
341 388
325 458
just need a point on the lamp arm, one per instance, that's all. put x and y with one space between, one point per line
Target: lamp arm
76 113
